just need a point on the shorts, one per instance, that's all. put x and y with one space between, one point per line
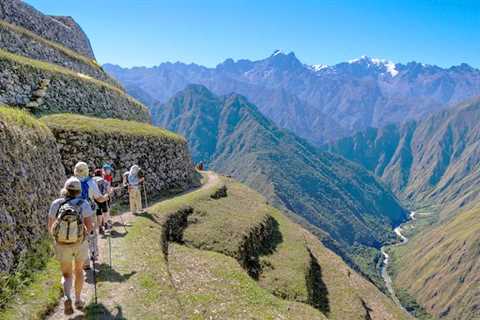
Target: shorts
102 207
69 252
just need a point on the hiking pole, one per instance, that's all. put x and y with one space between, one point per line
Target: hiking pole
145 194
110 247
92 258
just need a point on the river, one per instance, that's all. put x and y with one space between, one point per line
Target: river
386 259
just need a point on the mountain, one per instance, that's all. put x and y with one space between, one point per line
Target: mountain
431 162
319 103
441 267
234 138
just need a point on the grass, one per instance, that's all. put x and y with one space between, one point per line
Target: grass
53 68
438 266
108 126
22 118
57 46
34 288
200 277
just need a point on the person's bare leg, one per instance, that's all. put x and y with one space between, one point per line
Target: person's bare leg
66 268
79 280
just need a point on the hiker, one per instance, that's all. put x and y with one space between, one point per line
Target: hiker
108 177
91 194
69 221
102 207
133 180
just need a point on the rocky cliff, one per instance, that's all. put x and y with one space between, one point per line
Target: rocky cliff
163 156
31 175
63 30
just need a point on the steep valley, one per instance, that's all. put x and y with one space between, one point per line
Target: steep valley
210 249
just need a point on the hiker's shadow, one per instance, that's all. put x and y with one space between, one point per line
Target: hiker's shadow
116 234
99 311
148 216
107 274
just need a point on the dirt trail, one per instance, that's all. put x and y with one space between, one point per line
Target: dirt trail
120 222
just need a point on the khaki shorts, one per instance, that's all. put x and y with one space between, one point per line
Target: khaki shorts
69 252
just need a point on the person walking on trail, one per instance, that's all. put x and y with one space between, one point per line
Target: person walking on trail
108 177
102 207
134 180
91 194
69 221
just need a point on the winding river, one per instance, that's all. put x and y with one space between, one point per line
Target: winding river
386 259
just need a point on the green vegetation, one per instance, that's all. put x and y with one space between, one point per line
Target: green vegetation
34 288
411 305
22 118
53 68
108 126
68 52
443 260
344 200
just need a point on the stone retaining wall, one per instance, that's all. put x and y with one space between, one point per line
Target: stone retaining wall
31 176
45 89
23 42
166 162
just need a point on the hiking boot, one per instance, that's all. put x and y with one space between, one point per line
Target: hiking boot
79 305
67 306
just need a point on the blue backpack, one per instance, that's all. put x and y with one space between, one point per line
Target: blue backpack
85 187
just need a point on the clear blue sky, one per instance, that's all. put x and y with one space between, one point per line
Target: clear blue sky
148 32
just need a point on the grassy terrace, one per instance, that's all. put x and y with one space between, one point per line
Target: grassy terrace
22 119
53 68
57 46
75 122
189 282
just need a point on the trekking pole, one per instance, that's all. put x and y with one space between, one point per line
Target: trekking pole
145 194
92 258
110 247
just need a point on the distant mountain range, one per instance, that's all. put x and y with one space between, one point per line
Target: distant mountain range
434 163
317 102
234 138
431 162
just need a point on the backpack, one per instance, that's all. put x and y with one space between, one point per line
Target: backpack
69 223
85 186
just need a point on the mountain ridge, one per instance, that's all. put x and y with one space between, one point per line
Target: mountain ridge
319 104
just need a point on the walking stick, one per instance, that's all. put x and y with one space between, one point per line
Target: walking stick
92 258
145 194
110 248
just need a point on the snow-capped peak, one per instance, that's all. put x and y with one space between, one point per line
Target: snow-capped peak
318 67
388 65
276 53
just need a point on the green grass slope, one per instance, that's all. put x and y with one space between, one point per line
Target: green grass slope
81 123
334 194
441 267
231 258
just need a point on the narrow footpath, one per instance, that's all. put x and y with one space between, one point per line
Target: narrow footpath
121 223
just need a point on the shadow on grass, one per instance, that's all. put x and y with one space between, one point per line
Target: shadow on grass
107 274
148 216
317 289
100 312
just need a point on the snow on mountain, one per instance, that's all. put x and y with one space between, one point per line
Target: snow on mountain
318 67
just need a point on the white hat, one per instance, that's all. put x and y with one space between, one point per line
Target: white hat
73 184
81 169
